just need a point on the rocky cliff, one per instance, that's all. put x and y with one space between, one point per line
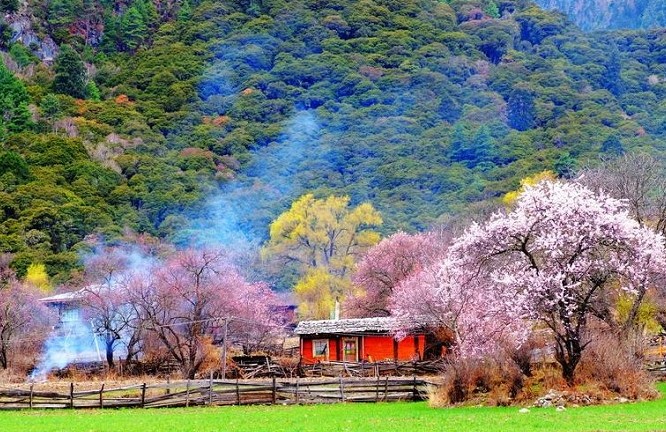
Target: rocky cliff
611 14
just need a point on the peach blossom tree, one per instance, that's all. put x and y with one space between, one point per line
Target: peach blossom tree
557 259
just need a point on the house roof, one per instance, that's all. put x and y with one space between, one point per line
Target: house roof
68 297
353 325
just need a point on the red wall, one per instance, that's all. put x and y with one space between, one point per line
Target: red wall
306 350
377 348
371 348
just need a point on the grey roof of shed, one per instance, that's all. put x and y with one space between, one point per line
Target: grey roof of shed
68 297
352 325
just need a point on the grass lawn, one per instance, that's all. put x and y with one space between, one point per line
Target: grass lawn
411 417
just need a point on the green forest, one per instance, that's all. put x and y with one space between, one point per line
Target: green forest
169 118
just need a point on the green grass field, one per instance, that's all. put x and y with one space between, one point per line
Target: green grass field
412 417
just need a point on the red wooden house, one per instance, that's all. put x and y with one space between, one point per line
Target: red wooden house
358 339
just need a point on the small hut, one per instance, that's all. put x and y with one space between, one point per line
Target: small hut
357 339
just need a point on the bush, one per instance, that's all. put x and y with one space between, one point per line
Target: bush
616 365
495 381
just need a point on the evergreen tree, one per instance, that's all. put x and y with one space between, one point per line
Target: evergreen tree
185 11
70 73
110 42
612 79
61 14
459 143
14 163
612 145
133 29
14 113
50 108
9 5
565 165
521 109
492 9
449 109
5 33
92 91
148 12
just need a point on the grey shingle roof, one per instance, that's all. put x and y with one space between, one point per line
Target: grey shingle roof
68 297
353 325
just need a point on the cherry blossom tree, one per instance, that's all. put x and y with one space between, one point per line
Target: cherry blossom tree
22 318
482 318
186 299
253 324
106 301
557 258
386 265
639 180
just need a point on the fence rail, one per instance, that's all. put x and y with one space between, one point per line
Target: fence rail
366 369
221 392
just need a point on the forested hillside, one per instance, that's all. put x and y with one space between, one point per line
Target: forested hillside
133 116
611 14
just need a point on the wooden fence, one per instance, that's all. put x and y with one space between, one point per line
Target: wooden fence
365 369
221 392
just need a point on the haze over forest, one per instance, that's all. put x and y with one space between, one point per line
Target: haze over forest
201 121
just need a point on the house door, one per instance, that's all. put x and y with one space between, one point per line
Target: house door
350 349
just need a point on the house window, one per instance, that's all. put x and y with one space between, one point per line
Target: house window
320 349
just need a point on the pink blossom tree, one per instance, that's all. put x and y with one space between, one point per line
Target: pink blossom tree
481 318
22 317
105 300
557 258
386 265
186 299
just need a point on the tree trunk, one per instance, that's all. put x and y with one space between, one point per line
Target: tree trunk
3 357
568 357
109 354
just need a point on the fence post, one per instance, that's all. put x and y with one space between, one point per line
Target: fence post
143 395
71 395
101 396
377 390
386 388
187 394
415 393
31 387
168 389
210 389
342 390
274 390
237 393
298 400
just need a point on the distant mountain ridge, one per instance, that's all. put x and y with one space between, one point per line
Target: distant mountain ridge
611 14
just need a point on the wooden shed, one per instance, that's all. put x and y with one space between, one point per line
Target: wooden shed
358 339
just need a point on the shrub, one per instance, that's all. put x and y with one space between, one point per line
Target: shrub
495 381
616 364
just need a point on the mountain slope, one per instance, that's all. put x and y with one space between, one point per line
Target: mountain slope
204 120
611 14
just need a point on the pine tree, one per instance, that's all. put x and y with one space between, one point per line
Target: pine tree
50 108
14 113
148 12
185 11
70 73
612 145
612 79
133 29
9 5
522 111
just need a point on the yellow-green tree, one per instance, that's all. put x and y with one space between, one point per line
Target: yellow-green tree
317 291
510 197
36 276
322 238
